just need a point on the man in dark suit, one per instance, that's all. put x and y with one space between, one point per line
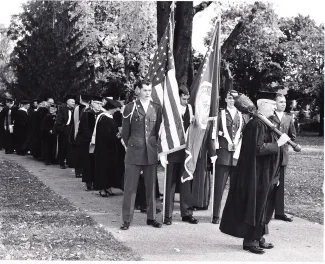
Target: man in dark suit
20 128
285 124
231 123
175 169
9 119
62 128
140 128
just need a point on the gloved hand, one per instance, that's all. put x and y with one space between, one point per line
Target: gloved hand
163 161
283 139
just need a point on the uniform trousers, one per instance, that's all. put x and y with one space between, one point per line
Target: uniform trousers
222 172
174 174
131 179
279 197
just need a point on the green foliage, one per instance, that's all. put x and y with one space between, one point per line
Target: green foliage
272 52
73 46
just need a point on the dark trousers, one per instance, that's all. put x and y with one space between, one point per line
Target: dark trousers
221 176
63 146
8 142
279 197
174 174
256 233
131 179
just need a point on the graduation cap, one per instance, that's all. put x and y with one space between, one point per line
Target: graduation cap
69 96
9 99
96 98
85 97
24 102
266 95
112 104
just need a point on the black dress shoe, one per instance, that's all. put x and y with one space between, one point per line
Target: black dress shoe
266 245
168 221
154 223
283 218
88 186
125 226
103 194
215 220
63 167
190 219
254 249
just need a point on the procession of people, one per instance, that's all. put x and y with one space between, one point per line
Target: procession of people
112 145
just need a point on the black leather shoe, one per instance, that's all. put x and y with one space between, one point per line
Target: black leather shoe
168 221
125 226
215 220
283 218
154 223
266 245
190 219
254 249
88 186
63 167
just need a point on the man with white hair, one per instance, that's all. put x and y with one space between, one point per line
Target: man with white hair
251 199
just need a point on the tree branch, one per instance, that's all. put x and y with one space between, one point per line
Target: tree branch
230 42
200 7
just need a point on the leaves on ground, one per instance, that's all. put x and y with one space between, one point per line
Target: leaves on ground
38 224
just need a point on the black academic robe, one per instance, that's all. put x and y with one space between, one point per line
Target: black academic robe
31 128
36 139
107 171
85 132
2 129
250 203
9 119
49 139
20 131
73 157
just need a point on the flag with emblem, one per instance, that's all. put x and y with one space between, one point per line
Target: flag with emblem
205 100
165 92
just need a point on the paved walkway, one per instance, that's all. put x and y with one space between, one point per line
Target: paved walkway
300 240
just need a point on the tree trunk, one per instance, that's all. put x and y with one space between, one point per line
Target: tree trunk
184 14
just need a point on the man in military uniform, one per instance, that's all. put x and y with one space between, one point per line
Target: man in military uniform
140 128
230 125
285 124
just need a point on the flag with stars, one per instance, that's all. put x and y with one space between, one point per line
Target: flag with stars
205 100
165 92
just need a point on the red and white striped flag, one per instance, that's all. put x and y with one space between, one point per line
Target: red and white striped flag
165 92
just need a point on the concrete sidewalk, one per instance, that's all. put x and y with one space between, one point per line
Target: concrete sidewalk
300 240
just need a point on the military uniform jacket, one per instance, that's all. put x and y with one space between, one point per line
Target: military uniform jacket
286 125
140 133
225 157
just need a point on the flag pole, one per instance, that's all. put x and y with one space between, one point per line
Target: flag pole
214 135
171 43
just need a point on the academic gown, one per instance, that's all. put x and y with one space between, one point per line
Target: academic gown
85 132
250 202
107 146
20 131
2 130
49 140
36 139
73 157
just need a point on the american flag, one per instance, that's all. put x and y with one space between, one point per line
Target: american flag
165 92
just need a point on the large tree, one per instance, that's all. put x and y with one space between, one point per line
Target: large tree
49 57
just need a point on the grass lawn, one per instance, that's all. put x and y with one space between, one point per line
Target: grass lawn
37 224
304 180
